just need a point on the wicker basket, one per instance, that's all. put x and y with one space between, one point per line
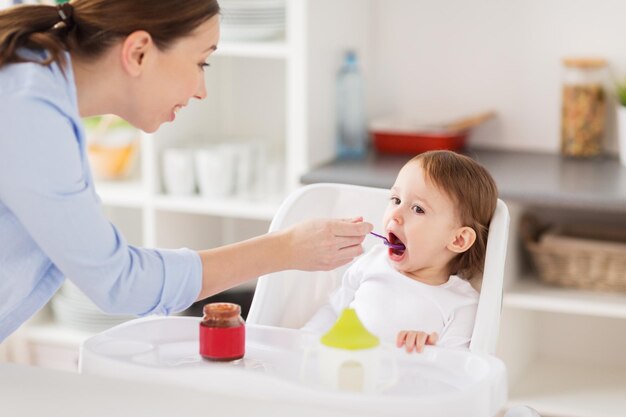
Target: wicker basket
584 257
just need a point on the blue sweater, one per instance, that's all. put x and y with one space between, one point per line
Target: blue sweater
51 220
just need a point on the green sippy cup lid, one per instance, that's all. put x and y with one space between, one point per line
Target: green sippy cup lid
349 333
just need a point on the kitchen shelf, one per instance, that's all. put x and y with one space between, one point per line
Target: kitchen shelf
524 177
529 294
574 389
229 207
131 194
272 50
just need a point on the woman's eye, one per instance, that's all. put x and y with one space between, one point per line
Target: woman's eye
204 65
417 209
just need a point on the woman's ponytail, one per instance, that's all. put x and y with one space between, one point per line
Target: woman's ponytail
87 28
34 27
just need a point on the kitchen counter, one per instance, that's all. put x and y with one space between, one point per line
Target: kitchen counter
30 391
526 177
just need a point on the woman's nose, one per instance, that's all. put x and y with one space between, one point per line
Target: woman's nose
201 92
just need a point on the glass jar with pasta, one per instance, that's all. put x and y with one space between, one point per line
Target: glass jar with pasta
584 107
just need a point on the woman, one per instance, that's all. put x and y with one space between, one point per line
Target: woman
142 60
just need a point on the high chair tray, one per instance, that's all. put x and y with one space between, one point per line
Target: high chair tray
280 365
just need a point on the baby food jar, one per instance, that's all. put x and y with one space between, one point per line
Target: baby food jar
584 107
222 332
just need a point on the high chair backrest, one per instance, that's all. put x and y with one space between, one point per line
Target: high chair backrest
290 298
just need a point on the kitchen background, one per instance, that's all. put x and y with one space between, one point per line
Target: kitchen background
456 56
428 60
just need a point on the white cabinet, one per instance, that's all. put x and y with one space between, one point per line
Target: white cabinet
563 348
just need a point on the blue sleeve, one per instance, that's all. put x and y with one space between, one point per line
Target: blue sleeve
44 181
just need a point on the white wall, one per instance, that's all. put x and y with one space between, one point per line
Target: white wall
439 58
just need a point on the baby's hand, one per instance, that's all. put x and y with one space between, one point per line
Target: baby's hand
413 339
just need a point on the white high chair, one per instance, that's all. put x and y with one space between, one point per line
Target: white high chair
290 298
437 383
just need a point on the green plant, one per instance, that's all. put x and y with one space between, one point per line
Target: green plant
621 92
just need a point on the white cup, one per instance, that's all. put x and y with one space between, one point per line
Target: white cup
248 158
178 175
273 179
244 167
215 171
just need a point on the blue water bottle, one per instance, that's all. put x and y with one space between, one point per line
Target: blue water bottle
352 137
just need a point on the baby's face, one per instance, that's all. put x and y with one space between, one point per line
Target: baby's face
423 218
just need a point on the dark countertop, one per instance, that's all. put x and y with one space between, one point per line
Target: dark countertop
525 177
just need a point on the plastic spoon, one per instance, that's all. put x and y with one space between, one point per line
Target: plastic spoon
398 246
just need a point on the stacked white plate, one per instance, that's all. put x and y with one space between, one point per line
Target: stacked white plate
73 309
252 20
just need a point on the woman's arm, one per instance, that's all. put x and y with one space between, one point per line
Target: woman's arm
58 228
312 245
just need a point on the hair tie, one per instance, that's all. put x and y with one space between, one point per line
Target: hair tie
66 13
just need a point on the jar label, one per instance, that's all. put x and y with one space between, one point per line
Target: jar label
222 343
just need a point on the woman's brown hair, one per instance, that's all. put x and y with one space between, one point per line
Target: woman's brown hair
89 27
470 186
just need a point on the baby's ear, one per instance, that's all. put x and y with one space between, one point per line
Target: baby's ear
464 238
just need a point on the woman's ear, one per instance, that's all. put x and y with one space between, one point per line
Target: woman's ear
464 238
134 50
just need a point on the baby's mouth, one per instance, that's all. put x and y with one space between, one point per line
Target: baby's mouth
397 247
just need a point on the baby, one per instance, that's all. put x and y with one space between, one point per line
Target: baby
439 208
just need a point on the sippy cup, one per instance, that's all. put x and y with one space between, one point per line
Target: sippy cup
349 357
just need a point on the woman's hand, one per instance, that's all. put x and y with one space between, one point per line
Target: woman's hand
310 246
326 244
414 339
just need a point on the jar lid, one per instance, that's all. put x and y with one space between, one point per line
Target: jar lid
584 62
221 309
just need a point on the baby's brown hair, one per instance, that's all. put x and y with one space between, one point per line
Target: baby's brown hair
470 186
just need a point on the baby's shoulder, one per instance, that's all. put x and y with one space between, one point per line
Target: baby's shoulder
462 288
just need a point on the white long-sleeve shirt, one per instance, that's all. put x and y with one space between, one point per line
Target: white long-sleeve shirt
388 302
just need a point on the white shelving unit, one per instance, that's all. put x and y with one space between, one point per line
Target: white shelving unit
563 348
279 93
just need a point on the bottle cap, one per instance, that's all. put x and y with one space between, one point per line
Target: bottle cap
349 333
350 57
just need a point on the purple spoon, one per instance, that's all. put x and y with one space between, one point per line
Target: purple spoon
397 246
